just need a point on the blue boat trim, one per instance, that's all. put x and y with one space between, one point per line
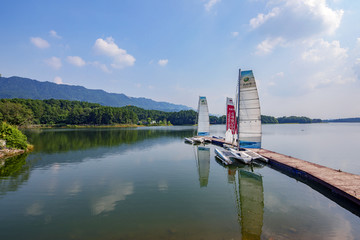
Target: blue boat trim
247 144
203 133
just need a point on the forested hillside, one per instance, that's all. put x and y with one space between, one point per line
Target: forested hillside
18 87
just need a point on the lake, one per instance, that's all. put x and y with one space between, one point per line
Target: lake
146 183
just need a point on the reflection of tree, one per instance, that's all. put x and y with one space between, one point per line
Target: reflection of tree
203 165
67 146
16 172
63 140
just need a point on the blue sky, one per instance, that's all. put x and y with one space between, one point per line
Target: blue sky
305 54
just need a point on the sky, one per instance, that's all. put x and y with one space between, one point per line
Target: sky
305 55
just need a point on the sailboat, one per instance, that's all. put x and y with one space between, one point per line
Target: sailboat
249 122
203 128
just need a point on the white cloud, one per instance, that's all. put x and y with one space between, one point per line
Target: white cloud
54 34
267 46
75 60
279 74
54 62
321 50
210 4
262 18
58 80
234 34
163 62
119 56
102 66
298 19
39 42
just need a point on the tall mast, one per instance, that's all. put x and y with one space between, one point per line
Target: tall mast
238 108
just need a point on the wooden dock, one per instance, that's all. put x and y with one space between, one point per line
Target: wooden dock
341 187
343 184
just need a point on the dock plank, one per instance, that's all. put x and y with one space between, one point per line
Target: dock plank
343 183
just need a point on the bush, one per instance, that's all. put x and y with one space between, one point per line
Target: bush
14 137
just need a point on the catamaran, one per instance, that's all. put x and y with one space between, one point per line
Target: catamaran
248 122
203 128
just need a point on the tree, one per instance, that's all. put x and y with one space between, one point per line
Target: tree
15 113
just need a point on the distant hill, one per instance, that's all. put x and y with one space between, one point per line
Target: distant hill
18 87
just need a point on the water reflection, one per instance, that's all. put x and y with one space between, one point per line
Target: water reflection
249 193
251 196
13 173
64 140
57 147
203 164
108 202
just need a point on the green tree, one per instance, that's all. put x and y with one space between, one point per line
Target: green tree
14 137
15 113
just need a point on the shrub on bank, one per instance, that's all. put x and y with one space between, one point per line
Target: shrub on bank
14 137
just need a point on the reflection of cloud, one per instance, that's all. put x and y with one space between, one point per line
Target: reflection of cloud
74 188
108 203
35 209
163 185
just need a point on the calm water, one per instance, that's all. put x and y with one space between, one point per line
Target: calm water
147 183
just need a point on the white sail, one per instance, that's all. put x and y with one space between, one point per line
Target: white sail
249 121
203 117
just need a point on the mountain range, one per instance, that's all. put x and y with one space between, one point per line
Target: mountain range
18 87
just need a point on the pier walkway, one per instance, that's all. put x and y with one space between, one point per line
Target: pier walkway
330 182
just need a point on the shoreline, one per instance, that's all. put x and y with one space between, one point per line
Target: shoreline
88 126
9 152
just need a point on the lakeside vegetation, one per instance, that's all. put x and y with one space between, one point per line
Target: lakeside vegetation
61 113
12 141
14 137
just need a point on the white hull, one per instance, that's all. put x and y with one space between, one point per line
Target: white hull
228 156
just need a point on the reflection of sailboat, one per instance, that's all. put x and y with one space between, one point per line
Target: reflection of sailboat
251 196
203 165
